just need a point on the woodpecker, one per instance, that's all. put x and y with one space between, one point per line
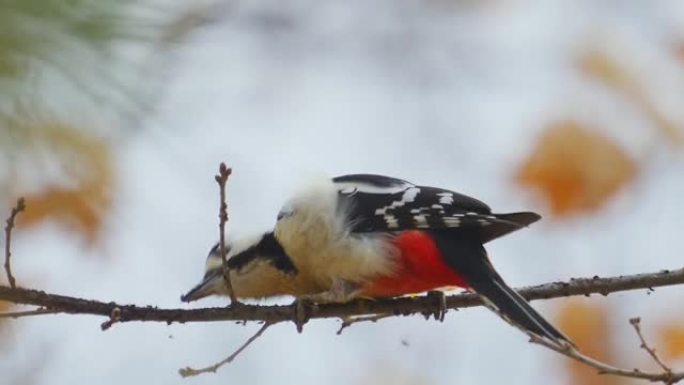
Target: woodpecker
374 236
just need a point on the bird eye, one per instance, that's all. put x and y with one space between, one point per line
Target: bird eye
216 250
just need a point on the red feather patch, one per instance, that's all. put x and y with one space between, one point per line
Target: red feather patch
420 268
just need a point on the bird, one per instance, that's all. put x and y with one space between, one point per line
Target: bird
375 236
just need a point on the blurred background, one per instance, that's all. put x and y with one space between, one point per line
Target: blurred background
114 116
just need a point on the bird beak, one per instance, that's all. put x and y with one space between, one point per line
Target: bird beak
204 288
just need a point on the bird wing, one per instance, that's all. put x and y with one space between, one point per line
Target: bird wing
376 203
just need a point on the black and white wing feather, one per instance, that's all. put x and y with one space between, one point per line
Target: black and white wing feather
376 203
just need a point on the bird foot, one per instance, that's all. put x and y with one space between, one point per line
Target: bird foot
341 291
302 310
440 300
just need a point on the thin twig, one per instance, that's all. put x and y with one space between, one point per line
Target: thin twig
221 178
285 313
27 313
8 239
114 317
349 321
604 368
188 371
636 324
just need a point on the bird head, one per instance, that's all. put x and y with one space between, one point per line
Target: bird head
258 267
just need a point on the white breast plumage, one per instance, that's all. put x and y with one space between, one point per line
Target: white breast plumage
316 236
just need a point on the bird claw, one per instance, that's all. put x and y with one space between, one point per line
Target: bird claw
341 291
302 310
440 299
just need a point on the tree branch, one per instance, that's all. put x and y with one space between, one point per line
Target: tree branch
26 313
356 311
282 313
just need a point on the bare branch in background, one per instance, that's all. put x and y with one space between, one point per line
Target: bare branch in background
667 376
188 371
672 377
8 240
221 179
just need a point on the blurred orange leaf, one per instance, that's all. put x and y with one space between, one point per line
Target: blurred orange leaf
679 51
672 337
81 201
76 208
603 67
4 306
600 65
575 168
585 323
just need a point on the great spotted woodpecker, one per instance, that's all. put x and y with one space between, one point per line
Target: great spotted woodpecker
375 236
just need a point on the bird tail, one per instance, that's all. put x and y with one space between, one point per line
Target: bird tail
469 259
514 309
